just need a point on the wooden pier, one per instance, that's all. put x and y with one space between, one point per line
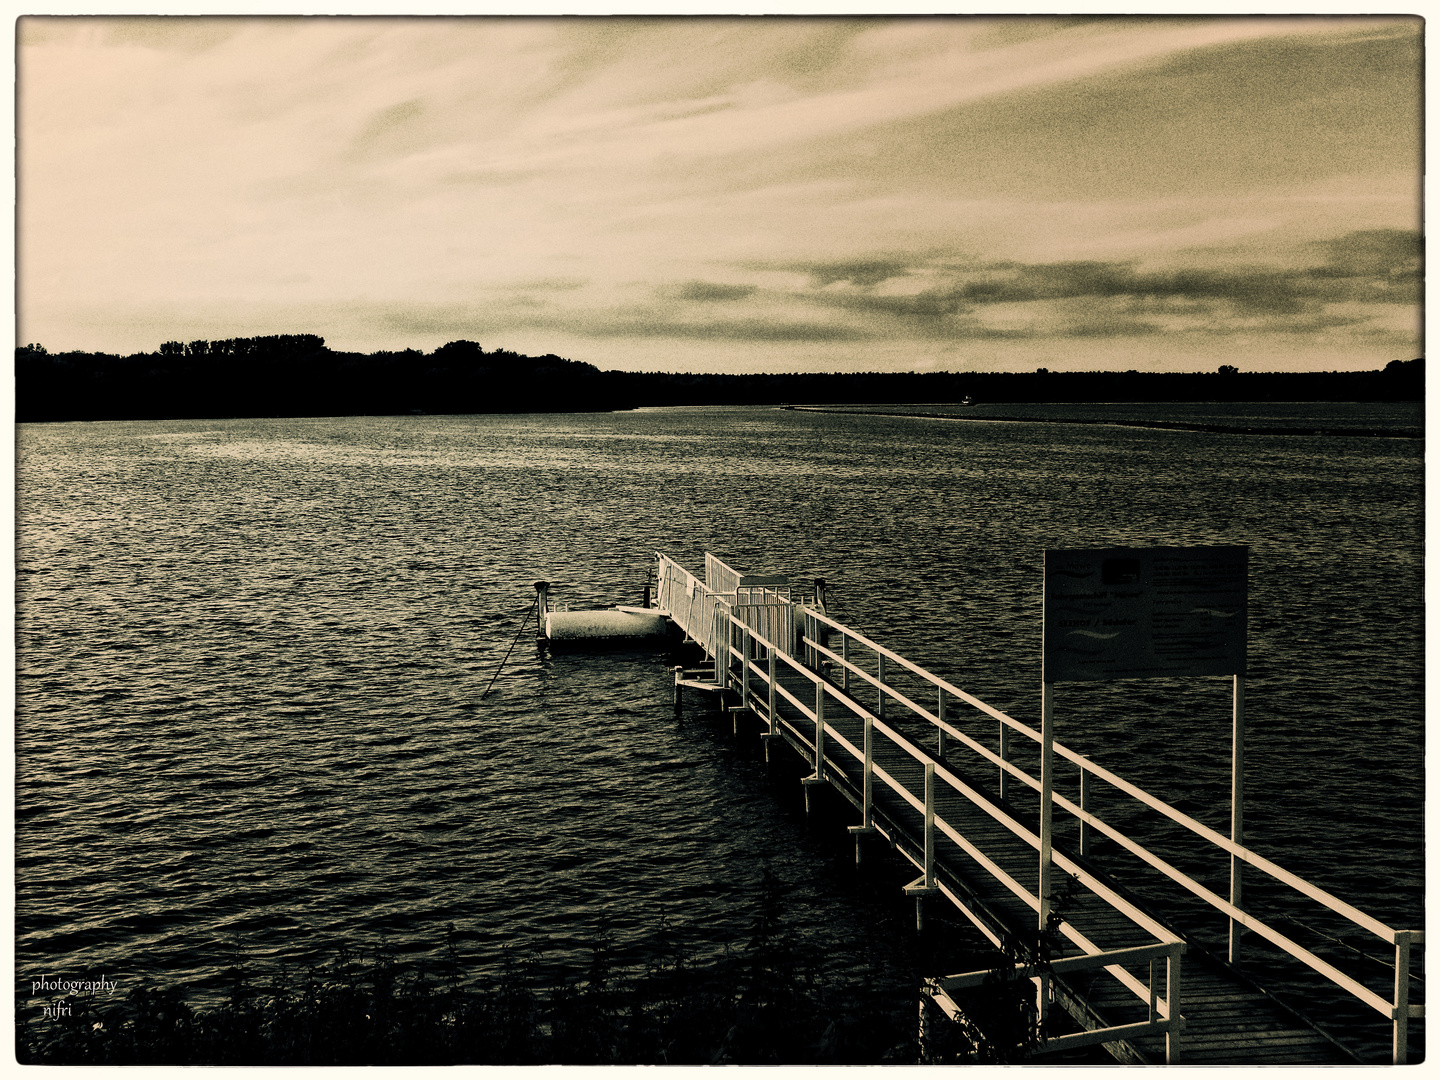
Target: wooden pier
929 770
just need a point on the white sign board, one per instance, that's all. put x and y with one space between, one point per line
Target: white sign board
1144 613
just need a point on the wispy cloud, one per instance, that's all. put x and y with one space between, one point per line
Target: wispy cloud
919 180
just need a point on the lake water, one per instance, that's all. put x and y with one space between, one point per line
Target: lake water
251 655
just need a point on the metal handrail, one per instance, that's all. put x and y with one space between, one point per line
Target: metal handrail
1252 858
898 740
1399 1010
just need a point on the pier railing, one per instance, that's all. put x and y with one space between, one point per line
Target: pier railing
750 664
701 609
853 647
750 641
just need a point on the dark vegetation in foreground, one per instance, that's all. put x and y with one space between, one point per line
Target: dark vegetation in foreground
763 1003
297 375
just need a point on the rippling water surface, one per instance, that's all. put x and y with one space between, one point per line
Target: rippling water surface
251 655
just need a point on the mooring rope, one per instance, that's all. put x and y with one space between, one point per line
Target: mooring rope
524 622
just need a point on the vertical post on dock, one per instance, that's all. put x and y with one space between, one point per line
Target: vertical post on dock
1047 795
770 703
1172 1005
542 605
1401 1044
1084 809
745 670
1004 756
940 743
1237 808
924 885
866 826
819 730
880 690
929 825
722 652
844 661
819 774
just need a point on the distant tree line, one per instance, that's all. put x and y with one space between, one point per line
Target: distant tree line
297 375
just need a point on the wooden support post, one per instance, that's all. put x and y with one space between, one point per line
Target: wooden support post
845 667
866 825
1047 796
1401 1040
1237 809
880 691
940 742
1172 1007
679 674
1085 808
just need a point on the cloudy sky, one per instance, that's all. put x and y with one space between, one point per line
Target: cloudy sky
730 194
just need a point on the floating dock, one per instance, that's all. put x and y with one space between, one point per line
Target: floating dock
927 768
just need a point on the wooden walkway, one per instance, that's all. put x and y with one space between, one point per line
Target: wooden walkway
940 808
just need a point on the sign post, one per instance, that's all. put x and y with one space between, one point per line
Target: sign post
1144 613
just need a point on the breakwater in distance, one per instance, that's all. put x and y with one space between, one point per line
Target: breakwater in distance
250 655
1397 420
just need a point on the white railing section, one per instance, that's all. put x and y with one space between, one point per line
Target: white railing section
700 610
742 645
1398 1009
695 609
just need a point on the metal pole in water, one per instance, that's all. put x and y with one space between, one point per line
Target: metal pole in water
1237 808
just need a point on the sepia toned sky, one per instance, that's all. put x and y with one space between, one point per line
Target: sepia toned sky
730 194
